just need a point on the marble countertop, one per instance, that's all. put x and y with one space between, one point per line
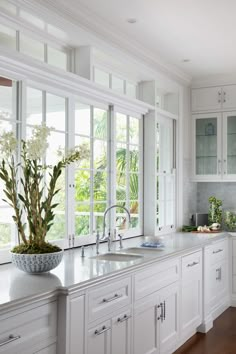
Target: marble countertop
77 272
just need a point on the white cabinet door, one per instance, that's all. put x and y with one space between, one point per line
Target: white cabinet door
145 330
99 339
206 99
169 323
219 284
121 333
207 149
76 330
229 97
191 294
191 305
229 146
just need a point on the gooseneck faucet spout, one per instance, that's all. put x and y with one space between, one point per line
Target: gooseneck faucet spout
104 222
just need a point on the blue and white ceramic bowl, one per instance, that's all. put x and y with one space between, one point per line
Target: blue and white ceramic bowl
37 263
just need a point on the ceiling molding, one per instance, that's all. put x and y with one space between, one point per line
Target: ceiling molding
104 36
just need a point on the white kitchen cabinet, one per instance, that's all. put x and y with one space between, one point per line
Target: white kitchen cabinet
121 333
71 324
29 329
218 276
169 326
99 338
112 336
206 99
214 150
145 325
207 146
210 99
191 294
156 322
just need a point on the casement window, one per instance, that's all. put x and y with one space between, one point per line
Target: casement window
111 175
128 176
166 168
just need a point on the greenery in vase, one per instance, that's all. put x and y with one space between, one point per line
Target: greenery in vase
215 210
26 189
230 220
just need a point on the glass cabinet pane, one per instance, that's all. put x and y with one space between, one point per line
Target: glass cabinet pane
231 145
206 146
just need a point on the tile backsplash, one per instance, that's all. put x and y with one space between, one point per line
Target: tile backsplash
224 191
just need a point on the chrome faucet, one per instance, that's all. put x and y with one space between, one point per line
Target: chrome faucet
108 238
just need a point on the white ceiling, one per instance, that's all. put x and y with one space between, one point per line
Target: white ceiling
203 31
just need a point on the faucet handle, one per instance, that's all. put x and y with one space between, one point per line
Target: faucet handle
120 235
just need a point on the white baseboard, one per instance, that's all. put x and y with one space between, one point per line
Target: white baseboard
233 300
224 304
206 325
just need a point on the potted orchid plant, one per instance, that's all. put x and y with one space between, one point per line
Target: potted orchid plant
31 198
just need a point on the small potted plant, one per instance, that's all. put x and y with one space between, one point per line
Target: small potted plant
31 198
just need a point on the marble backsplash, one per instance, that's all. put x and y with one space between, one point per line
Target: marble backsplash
224 191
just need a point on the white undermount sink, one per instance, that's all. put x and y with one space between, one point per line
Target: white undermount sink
117 257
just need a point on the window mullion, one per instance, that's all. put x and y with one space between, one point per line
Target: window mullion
70 173
127 165
92 172
112 165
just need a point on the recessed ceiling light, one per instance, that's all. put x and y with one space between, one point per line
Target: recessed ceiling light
186 60
131 20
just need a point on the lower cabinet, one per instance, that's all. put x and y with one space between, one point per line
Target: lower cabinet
156 322
29 329
112 336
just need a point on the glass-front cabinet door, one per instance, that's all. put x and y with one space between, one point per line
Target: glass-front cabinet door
229 141
207 148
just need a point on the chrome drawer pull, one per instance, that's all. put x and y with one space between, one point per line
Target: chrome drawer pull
192 264
125 318
219 250
10 339
116 296
103 330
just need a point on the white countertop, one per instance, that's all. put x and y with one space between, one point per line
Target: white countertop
77 272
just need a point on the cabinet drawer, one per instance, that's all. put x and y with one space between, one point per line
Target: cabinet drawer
107 298
156 277
218 251
30 330
191 265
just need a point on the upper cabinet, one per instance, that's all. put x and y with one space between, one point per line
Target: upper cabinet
214 98
214 146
